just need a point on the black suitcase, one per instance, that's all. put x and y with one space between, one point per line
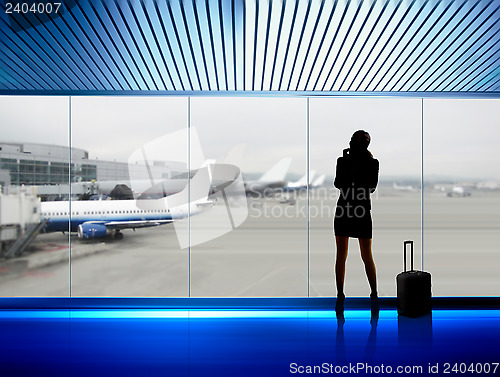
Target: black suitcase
413 290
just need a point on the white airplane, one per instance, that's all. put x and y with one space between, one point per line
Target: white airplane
98 219
301 183
403 188
274 178
458 191
318 181
488 185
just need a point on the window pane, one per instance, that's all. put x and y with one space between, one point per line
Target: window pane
132 158
462 196
254 245
395 129
34 134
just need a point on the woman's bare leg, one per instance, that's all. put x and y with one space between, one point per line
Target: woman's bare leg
342 247
365 246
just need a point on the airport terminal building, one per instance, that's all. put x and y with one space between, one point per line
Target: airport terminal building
42 164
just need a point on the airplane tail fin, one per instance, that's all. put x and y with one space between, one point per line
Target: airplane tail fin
319 181
302 181
312 174
235 155
278 172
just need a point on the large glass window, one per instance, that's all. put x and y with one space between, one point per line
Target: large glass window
234 197
59 172
86 172
12 166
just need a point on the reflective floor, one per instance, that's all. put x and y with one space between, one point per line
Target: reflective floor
246 342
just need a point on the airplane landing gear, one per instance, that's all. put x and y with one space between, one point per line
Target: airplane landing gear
117 235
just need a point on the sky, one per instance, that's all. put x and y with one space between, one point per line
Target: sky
460 136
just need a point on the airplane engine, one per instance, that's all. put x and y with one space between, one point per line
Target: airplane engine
90 231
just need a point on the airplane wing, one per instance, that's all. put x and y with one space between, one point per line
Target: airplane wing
119 225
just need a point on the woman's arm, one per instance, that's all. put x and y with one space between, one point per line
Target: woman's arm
373 176
340 181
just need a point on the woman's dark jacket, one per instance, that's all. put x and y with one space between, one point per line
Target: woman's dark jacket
356 178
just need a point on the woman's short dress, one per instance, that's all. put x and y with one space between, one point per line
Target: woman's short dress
356 226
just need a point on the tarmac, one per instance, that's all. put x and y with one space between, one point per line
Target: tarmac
274 253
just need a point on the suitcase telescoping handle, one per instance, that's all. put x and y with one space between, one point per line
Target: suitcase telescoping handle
411 250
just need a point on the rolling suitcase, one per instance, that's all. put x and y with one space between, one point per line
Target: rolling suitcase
413 290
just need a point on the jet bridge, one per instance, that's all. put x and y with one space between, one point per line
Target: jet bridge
19 222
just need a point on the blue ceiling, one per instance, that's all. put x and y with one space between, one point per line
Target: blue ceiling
252 46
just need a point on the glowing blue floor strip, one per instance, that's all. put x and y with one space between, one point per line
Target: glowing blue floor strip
225 314
192 314
34 314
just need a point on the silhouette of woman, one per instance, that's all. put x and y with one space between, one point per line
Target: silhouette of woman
356 178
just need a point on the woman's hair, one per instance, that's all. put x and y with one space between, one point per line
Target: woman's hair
360 140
